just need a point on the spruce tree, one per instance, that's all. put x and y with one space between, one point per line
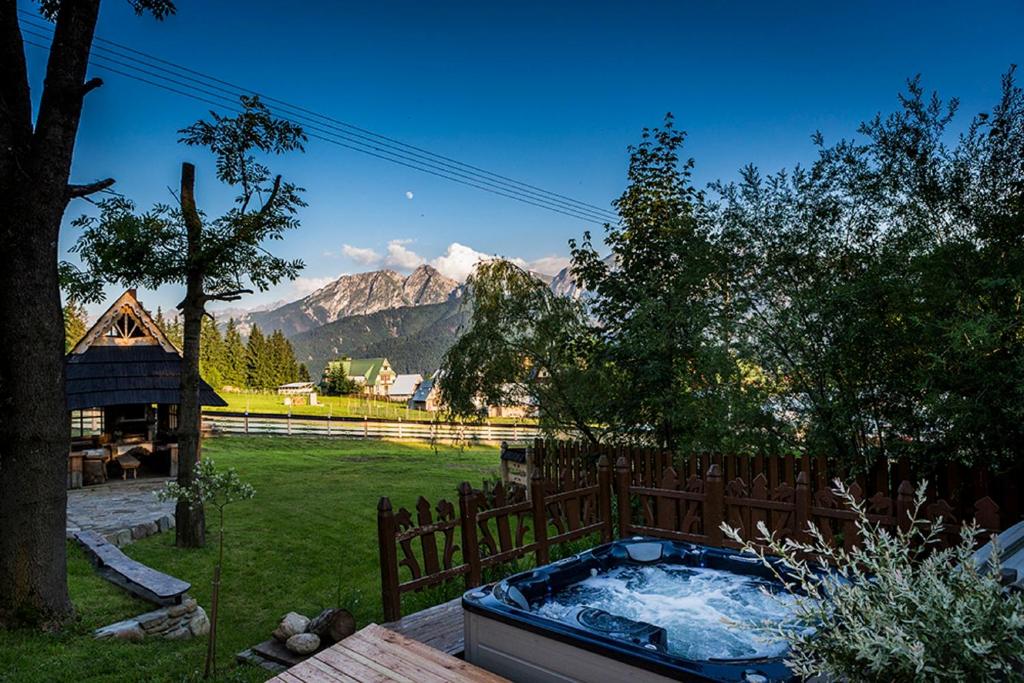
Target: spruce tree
211 354
259 366
235 368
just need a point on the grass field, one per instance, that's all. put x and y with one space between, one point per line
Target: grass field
336 406
309 533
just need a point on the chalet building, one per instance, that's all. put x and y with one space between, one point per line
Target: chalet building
373 375
123 395
427 397
404 387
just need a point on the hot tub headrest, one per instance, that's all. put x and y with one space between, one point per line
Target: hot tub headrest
645 552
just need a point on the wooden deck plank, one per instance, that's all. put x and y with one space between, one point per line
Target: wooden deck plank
378 655
440 627
342 660
329 673
446 665
369 648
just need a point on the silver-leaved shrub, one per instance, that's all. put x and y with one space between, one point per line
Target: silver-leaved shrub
895 607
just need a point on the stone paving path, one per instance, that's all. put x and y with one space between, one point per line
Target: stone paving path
120 510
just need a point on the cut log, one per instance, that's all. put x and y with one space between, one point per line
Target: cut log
332 625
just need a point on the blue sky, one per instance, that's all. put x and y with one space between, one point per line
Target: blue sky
548 93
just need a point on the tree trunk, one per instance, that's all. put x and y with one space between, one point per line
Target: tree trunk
34 430
190 527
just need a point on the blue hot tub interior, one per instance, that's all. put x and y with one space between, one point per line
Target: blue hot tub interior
666 606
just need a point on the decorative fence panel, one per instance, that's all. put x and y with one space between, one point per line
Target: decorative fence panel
364 428
571 496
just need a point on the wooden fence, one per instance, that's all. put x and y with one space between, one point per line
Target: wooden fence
569 499
364 428
957 485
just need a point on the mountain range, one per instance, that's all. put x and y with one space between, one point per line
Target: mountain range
410 319
354 295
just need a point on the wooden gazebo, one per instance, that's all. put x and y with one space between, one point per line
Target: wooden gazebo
123 396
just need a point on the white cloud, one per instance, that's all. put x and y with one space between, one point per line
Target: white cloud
550 265
365 257
408 194
458 261
303 286
401 257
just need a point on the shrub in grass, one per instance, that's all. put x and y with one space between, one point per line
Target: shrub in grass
895 607
216 489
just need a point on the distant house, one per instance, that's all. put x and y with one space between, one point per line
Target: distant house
295 388
404 387
519 404
373 375
427 397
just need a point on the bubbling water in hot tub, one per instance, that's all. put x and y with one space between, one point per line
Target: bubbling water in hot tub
701 609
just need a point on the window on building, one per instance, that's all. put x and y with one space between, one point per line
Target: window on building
87 422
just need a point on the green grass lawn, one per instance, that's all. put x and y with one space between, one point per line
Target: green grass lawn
336 406
310 529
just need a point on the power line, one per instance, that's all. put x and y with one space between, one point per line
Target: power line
329 129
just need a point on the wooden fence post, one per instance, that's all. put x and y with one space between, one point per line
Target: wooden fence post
391 599
289 421
622 495
904 505
802 511
604 498
714 505
366 427
540 517
467 525
246 420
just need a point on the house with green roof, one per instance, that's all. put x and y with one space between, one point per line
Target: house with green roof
373 375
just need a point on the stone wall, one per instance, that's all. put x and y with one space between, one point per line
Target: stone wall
174 622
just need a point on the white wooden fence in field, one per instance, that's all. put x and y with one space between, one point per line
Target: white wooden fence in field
364 428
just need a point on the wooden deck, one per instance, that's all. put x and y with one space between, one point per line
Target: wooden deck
440 627
377 654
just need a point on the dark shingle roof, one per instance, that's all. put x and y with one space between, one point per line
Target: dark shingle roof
117 375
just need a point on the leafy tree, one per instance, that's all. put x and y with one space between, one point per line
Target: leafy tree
210 257
662 309
524 343
235 369
303 373
75 325
36 151
882 285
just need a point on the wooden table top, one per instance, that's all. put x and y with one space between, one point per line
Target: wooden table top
377 654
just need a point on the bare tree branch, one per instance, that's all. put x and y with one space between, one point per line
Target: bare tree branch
233 295
89 188
90 85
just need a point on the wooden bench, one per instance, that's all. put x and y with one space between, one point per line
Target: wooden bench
128 463
377 654
134 577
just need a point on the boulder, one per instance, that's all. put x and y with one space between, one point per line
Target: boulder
199 625
291 624
333 624
303 643
128 629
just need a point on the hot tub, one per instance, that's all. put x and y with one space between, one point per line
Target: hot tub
634 610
